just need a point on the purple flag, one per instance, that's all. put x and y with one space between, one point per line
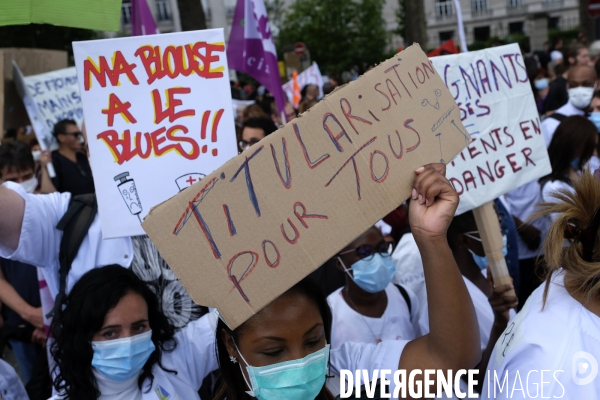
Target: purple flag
142 22
251 48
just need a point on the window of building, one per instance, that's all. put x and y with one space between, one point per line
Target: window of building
445 35
516 27
481 33
164 10
514 3
444 9
479 6
126 13
554 23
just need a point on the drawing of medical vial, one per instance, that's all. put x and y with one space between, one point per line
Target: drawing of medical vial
129 193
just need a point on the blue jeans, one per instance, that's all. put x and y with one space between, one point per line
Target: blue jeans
25 353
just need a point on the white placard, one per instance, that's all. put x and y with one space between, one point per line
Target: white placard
158 118
310 76
498 110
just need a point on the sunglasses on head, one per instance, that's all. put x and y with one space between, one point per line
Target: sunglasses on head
366 251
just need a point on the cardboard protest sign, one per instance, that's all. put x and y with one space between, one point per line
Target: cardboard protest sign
158 117
497 107
49 98
310 76
268 217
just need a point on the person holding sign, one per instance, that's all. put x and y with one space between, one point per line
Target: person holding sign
282 351
113 342
550 349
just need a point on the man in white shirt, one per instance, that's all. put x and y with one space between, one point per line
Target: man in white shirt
581 84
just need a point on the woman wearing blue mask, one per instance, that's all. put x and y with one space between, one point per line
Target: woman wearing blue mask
369 308
113 342
571 147
493 309
283 351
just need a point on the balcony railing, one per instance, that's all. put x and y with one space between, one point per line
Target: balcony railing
552 4
516 7
479 8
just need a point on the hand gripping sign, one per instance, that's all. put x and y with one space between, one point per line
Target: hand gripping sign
268 217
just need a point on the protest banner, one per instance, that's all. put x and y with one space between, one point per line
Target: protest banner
493 93
158 117
497 107
49 98
310 76
273 214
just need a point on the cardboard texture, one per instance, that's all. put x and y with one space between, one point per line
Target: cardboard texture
159 117
259 224
497 107
32 62
491 238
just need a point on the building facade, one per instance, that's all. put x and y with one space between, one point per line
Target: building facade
485 19
165 13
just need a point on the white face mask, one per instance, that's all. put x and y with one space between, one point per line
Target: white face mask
37 155
30 184
581 97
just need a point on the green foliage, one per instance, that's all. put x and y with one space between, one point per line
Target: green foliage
401 19
568 36
495 41
44 36
340 34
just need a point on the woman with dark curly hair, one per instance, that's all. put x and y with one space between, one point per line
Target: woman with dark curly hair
113 342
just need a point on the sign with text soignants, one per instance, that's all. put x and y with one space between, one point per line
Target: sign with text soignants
497 108
158 118
268 217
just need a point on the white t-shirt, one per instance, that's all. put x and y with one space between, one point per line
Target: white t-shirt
553 187
562 340
193 359
396 323
369 356
11 387
550 124
523 202
39 244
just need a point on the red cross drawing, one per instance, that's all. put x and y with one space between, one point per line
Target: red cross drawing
190 180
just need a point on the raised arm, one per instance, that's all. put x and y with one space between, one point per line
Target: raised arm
12 209
453 338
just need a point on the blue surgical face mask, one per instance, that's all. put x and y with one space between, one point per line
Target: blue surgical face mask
122 359
595 118
291 380
541 84
373 275
575 163
482 261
